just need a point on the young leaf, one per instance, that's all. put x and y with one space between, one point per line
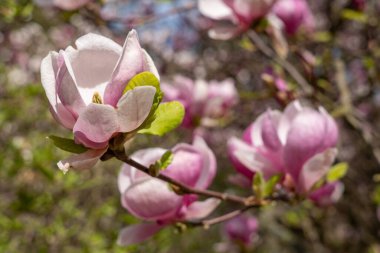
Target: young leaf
165 160
270 185
144 79
167 117
258 185
337 172
67 145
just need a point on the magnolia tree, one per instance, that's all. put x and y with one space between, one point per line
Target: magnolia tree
108 95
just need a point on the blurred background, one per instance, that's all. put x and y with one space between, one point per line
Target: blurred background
42 210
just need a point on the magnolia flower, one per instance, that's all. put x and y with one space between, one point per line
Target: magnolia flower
151 199
204 102
238 15
294 14
299 142
327 194
85 87
68 5
242 229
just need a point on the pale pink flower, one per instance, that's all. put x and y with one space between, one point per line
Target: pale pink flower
299 142
85 86
234 16
151 199
294 14
242 229
205 102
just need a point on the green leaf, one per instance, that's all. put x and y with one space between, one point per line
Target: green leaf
167 117
337 172
144 79
67 145
270 185
258 185
165 160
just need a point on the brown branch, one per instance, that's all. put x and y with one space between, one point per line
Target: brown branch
272 55
225 217
184 189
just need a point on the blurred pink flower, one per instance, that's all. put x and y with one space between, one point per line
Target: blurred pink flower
328 194
294 14
85 86
237 15
151 199
242 229
359 4
204 103
299 142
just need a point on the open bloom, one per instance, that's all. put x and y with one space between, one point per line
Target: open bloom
85 87
204 103
238 15
152 200
300 142
294 14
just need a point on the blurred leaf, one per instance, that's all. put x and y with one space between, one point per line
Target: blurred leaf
67 144
270 185
354 15
167 117
258 185
376 195
322 36
337 172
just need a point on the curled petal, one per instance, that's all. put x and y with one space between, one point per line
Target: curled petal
291 111
201 209
137 233
269 130
97 123
83 161
151 199
315 168
208 170
131 62
332 131
327 194
235 145
134 107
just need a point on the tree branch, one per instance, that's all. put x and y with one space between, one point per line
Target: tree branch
181 188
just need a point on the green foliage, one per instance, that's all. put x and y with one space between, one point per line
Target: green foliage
144 79
354 15
337 172
165 160
263 188
167 117
67 144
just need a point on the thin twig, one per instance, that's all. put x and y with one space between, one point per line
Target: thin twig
182 188
271 54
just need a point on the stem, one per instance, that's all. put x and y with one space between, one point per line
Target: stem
267 51
225 217
184 189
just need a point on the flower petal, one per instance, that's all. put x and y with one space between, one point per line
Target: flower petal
269 130
291 111
327 194
82 161
129 174
208 170
201 209
137 233
315 168
151 199
215 9
234 145
134 107
132 61
97 123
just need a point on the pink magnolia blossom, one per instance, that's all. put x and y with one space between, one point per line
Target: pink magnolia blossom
294 14
67 5
151 199
242 229
300 142
204 102
238 15
85 86
328 194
